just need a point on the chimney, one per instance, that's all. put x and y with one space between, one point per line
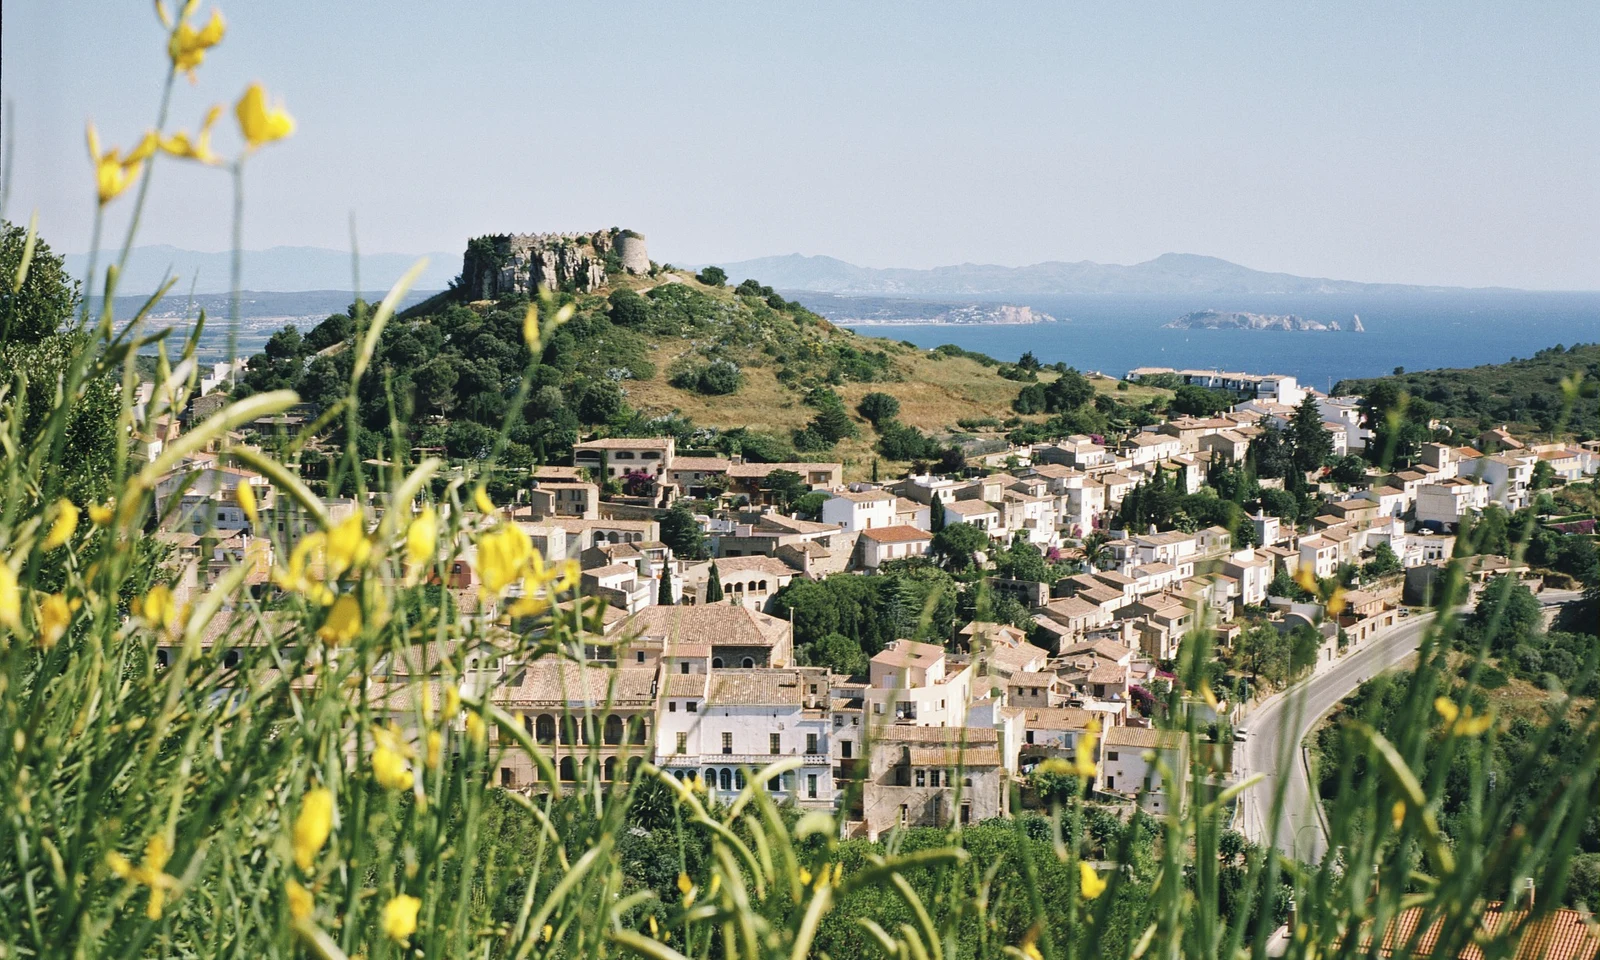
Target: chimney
1531 893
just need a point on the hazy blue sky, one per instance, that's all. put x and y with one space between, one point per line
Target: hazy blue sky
1448 142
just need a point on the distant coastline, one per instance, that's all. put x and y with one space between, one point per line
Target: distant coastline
852 311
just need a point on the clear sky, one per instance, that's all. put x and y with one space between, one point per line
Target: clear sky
1451 142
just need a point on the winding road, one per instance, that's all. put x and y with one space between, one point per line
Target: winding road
1279 725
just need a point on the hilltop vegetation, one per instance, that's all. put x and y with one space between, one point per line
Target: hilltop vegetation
1528 395
735 368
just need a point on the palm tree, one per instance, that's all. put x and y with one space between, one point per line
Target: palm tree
1094 553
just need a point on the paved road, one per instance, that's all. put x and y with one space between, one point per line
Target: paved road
1279 725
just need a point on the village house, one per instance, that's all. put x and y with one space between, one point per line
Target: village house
854 511
876 547
613 458
1131 759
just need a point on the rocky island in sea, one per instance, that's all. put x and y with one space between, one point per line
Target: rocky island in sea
900 311
1236 320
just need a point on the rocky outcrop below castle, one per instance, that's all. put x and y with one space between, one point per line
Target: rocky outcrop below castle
1226 320
501 265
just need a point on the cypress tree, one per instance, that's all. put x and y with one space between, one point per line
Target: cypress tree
714 586
664 594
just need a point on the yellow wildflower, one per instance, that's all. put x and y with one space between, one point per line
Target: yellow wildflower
422 538
452 701
115 173
149 873
655 931
300 902
157 608
477 730
400 917
530 328
686 887
187 46
1336 603
1460 720
1083 755
66 522
101 514
258 123
546 932
435 747
312 826
390 770
1089 883
348 546
10 597
343 622
1397 813
1207 694
1307 578
838 872
246 498
480 498
503 554
715 885
805 877
296 576
55 615
1031 951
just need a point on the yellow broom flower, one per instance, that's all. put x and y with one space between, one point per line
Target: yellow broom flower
115 173
422 538
389 759
1083 755
1089 882
259 123
187 46
1460 720
10 598
343 622
400 917
55 615
503 554
148 873
246 499
157 608
312 826
348 546
480 499
65 524
435 748
300 902
101 514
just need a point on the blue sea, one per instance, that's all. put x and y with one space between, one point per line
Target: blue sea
1113 334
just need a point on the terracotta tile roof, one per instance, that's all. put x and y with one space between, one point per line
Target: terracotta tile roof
896 534
1560 935
909 653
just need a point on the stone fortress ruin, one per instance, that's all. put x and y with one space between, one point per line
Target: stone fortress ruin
500 265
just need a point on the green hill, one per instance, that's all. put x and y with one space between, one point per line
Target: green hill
1527 395
738 369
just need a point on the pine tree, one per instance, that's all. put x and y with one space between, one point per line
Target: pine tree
664 594
714 586
1312 442
935 515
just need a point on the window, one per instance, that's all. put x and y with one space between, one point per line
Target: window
921 777
683 667
1029 736
773 742
640 655
716 663
727 779
683 743
672 707
692 705
811 743
727 743
1112 756
966 813
747 662
738 778
933 778
506 779
811 785
844 749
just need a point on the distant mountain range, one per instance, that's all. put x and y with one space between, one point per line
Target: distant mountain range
276 269
1170 273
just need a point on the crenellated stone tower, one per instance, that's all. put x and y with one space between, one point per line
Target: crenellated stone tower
506 264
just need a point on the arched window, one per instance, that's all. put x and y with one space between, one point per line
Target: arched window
569 729
613 730
566 769
161 658
633 766
611 768
747 662
678 774
763 586
545 728
230 659
727 779
716 663
711 778
636 729
738 778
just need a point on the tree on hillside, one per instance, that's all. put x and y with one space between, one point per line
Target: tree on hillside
839 653
712 276
878 407
714 585
1507 613
664 590
1271 454
1312 442
1383 563
957 543
680 531
1399 424
1198 401
48 296
785 486
628 309
832 424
